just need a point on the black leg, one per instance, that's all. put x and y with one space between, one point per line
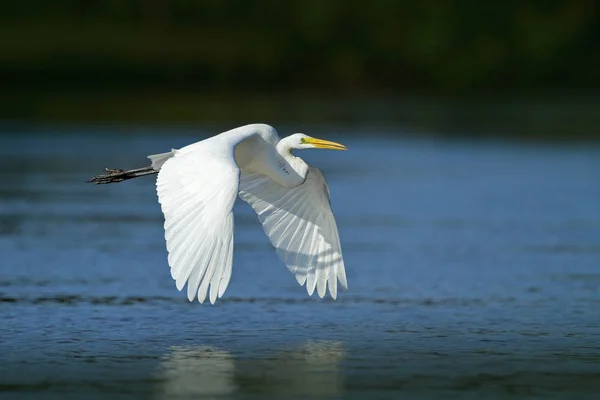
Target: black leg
118 175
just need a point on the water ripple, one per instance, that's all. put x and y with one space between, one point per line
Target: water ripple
75 299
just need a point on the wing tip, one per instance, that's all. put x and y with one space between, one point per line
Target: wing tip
213 294
343 283
191 297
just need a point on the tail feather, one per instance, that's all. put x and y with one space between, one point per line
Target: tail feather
159 159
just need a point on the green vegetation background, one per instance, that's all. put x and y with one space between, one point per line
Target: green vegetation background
312 60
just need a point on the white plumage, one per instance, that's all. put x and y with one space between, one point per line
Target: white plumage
301 227
197 186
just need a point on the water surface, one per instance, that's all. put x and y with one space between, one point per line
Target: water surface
473 271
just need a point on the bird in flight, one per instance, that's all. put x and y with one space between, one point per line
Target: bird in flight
197 186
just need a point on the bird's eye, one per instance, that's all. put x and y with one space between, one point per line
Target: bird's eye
303 140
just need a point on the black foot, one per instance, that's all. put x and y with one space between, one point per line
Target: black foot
113 175
118 175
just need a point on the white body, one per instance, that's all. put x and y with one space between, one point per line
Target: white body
197 187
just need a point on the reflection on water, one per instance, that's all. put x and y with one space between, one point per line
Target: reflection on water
309 370
195 372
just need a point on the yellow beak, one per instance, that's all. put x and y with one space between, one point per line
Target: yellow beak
325 144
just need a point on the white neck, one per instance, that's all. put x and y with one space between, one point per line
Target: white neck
277 162
292 169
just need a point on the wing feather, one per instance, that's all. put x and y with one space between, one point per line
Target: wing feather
196 190
301 226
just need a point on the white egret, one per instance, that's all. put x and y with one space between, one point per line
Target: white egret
197 186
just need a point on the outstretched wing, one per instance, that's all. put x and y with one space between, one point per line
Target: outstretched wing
300 224
196 189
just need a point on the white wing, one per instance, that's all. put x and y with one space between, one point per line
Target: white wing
301 226
196 189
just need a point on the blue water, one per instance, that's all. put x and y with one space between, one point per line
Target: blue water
473 271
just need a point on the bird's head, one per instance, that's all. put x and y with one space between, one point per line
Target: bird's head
302 141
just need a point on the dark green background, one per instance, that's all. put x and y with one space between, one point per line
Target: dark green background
433 65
